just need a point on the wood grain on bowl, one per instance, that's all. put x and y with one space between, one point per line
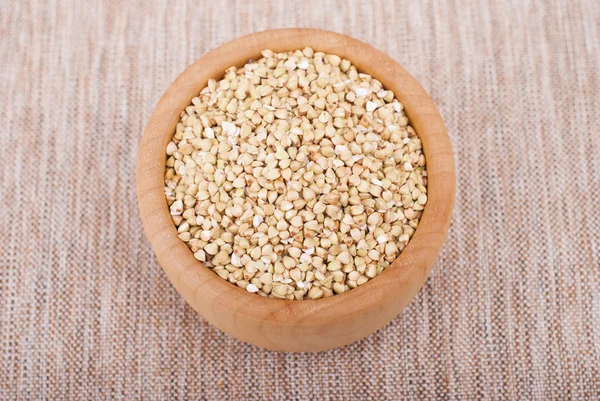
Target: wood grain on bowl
307 325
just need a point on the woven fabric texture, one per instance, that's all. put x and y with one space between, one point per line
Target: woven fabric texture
511 310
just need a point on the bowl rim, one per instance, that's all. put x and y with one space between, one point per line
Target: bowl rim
201 287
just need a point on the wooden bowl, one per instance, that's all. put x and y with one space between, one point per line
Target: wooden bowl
307 325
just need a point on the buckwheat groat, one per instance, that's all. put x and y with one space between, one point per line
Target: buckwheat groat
295 176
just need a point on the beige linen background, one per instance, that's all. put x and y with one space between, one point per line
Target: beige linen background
511 310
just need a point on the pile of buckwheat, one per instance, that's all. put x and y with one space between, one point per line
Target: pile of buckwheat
295 176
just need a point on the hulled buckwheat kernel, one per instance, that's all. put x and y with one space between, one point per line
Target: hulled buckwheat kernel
295 176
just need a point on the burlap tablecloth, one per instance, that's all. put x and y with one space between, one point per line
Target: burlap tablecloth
511 310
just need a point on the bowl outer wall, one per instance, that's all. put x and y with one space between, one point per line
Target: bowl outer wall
308 325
